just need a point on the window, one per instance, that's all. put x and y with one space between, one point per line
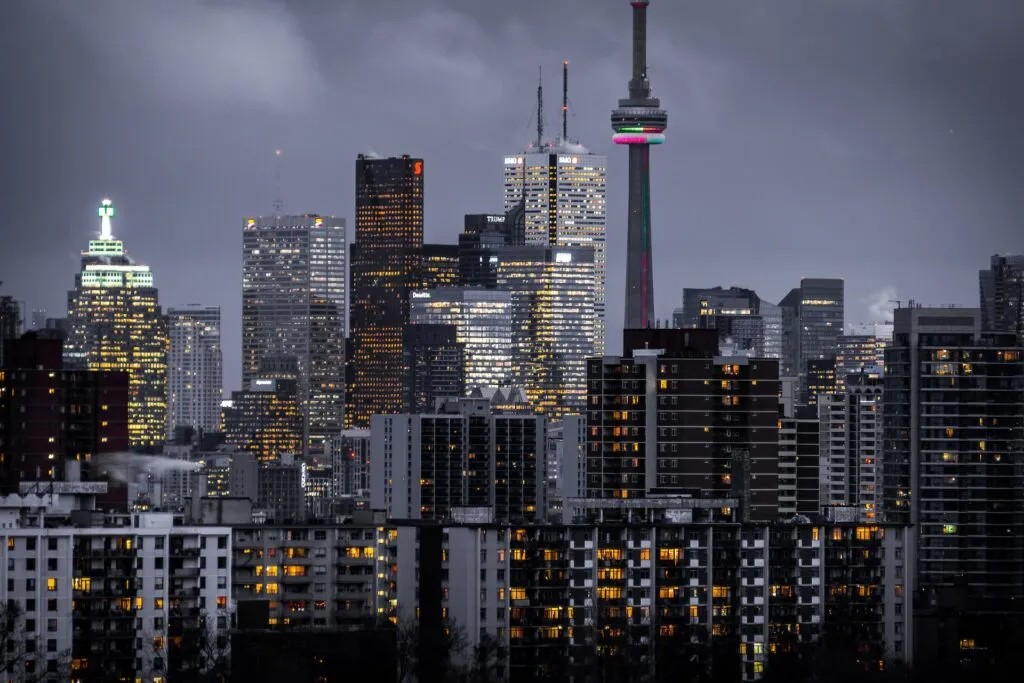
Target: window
271 589
222 601
158 603
51 544
516 593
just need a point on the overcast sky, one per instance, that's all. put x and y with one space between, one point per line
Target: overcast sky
880 141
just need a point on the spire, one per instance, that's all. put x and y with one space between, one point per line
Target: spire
106 212
278 202
565 100
540 109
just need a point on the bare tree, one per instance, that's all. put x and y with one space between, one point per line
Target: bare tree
200 651
20 660
453 647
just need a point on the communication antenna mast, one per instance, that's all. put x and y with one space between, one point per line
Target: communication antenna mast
540 108
278 203
565 100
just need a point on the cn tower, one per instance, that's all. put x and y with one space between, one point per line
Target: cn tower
639 122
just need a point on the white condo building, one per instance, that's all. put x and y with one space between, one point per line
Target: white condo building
195 368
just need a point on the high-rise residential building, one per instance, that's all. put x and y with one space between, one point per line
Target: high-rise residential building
1002 295
639 121
673 417
34 388
468 453
953 429
860 354
563 186
771 317
821 380
111 597
387 265
483 325
293 313
265 419
553 322
812 321
851 446
435 362
195 369
10 321
116 324
799 463
440 266
350 462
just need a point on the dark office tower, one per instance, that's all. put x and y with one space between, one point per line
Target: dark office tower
35 388
10 321
812 320
737 314
440 266
639 122
116 324
1002 295
675 418
293 312
821 379
387 265
265 419
482 234
435 363
953 429
799 458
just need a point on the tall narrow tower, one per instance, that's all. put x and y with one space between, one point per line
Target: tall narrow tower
639 122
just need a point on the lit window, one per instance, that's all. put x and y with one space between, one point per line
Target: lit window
51 584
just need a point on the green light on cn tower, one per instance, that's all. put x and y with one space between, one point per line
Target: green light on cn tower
106 209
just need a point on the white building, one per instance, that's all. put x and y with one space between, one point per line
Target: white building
99 595
195 369
572 213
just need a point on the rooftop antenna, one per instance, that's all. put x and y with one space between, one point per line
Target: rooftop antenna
278 203
105 213
540 108
565 100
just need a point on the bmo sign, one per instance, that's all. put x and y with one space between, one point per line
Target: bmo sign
568 160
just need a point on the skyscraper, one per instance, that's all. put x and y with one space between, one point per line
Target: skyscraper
812 321
195 372
440 265
483 325
387 265
435 363
116 324
953 428
639 122
564 188
745 322
1002 295
553 322
293 313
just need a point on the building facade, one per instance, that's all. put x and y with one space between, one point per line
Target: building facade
435 364
265 419
116 324
564 188
1002 295
467 454
673 417
482 319
34 388
554 322
129 597
812 321
387 265
195 369
953 426
293 313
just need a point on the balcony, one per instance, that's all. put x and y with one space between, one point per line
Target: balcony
185 573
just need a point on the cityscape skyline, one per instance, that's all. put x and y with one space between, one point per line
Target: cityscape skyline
855 165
